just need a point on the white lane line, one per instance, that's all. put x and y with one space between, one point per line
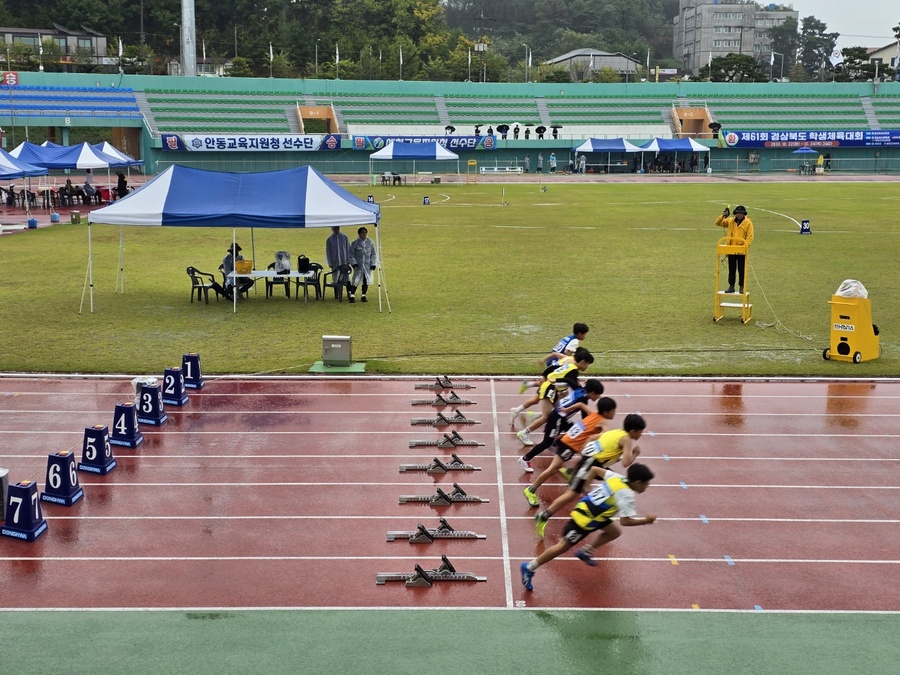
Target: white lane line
415 485
719 560
393 518
504 532
468 456
455 608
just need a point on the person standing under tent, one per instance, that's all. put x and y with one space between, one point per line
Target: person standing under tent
121 185
739 230
582 164
337 256
363 260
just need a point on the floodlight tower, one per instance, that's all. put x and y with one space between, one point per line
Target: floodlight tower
188 39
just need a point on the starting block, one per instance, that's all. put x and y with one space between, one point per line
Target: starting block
441 498
61 486
23 519
443 421
190 368
125 426
96 454
425 536
451 440
426 578
444 382
439 467
451 399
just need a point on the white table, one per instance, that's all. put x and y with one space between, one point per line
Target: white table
271 274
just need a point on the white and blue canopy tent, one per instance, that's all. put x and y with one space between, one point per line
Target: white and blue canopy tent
293 198
12 168
607 145
83 156
415 152
107 149
674 145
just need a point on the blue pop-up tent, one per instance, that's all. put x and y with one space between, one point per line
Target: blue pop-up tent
82 156
674 145
11 168
398 150
294 198
607 145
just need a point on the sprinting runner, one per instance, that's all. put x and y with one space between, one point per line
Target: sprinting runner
561 418
596 457
573 442
556 379
615 496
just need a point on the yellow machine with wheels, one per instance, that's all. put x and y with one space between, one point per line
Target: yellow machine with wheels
853 335
725 300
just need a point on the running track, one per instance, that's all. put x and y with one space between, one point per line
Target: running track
278 493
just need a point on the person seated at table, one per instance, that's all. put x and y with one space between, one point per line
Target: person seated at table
244 283
398 179
121 186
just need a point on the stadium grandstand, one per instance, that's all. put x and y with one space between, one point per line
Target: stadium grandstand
160 119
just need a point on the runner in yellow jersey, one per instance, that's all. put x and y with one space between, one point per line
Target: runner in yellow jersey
596 456
614 496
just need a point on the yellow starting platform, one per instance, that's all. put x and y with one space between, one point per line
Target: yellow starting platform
724 300
853 335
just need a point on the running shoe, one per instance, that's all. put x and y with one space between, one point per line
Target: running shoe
524 437
529 416
540 524
531 497
525 465
585 557
565 473
527 576
513 414
525 386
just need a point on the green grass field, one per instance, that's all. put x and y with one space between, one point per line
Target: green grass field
480 287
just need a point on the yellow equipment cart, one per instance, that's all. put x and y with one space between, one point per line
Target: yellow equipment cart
725 300
853 335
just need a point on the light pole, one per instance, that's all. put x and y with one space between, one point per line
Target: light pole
317 58
772 74
180 50
526 61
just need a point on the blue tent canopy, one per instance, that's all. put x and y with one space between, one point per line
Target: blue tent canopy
67 157
11 168
607 145
674 145
400 150
185 197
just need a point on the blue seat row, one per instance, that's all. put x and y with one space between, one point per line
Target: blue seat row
35 87
62 107
66 97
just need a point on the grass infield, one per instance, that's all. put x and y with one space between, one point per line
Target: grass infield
477 286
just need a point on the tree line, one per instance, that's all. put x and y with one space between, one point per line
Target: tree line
440 40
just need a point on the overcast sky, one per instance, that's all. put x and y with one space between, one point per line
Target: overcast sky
866 23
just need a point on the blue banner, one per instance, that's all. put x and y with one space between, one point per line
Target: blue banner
454 143
813 139
243 142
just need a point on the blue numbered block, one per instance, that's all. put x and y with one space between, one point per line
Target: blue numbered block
96 453
190 369
125 430
23 520
150 405
173 387
61 486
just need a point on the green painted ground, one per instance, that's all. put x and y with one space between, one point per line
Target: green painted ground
459 641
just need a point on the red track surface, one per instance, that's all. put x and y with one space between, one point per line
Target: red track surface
278 493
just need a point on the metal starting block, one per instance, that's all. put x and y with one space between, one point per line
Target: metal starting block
426 536
444 382
441 498
426 578
443 421
451 440
450 399
439 467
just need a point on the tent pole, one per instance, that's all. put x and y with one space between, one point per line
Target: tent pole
120 276
382 281
88 275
